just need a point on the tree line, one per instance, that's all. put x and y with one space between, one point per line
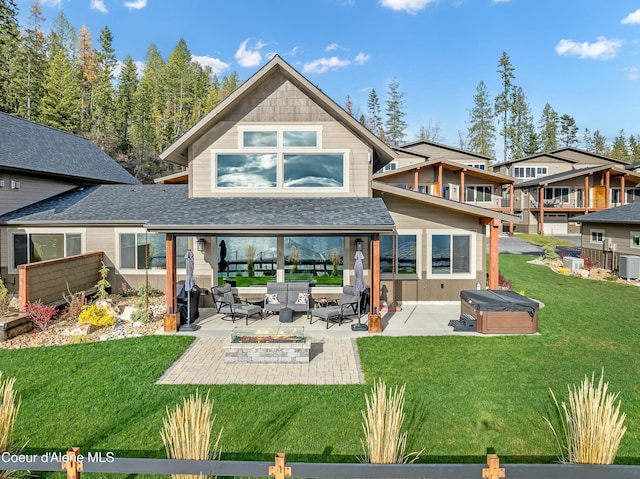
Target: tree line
62 80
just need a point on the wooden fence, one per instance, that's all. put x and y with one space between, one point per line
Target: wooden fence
75 464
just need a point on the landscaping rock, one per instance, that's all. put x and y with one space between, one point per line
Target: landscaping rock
127 313
583 273
79 330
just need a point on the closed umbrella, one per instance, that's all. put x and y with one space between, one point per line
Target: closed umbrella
359 286
189 284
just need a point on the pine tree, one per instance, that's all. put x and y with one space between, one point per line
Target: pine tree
127 86
634 149
523 140
89 75
548 129
61 101
619 149
395 125
103 115
599 144
503 105
35 54
10 57
481 134
568 130
374 120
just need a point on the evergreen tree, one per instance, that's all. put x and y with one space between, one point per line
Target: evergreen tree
127 86
88 76
395 125
10 57
568 130
62 36
374 120
587 140
61 101
619 149
503 105
35 55
481 134
103 118
522 136
548 129
349 106
599 144
634 149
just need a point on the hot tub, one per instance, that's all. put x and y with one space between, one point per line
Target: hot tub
500 311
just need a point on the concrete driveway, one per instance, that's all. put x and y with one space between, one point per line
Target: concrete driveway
514 245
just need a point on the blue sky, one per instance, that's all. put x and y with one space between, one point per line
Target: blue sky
581 56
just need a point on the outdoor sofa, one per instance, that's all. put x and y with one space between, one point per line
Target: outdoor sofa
295 295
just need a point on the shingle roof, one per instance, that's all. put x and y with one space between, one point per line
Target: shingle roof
28 146
168 208
621 214
563 175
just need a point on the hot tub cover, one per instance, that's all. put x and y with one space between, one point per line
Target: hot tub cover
498 300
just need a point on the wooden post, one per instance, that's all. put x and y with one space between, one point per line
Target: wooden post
440 180
494 471
170 288
72 465
511 193
494 260
463 192
416 176
622 187
375 274
541 214
280 471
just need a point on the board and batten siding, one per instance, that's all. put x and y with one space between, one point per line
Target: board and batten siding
278 103
411 215
32 189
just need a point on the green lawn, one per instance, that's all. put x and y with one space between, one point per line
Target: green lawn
464 394
542 240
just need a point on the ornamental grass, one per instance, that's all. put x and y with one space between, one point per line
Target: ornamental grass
9 406
384 442
591 424
187 432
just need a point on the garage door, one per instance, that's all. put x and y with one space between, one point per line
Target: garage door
555 224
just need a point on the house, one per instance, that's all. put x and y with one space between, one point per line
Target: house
279 185
611 238
553 188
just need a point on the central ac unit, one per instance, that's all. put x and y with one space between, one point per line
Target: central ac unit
629 267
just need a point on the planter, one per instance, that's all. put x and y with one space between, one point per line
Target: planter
14 324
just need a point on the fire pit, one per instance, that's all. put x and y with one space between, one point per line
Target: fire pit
279 344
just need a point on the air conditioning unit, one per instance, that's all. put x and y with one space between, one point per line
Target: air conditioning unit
572 264
629 267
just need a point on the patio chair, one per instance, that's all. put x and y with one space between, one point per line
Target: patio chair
347 306
227 305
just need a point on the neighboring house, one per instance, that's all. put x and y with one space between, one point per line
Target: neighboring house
553 188
279 185
607 235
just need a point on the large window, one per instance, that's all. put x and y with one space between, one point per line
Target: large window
556 196
148 251
314 258
247 260
529 171
405 252
35 247
279 158
451 254
478 194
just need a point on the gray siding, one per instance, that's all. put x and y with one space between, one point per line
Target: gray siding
32 189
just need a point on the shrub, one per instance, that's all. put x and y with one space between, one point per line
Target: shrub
102 285
612 277
592 426
589 264
504 282
97 315
40 314
550 251
563 270
4 297
384 442
186 432
9 407
75 303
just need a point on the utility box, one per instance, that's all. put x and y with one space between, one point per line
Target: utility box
572 263
629 267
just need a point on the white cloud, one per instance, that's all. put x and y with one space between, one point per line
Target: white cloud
249 57
500 1
333 46
217 66
633 17
99 5
136 4
361 58
323 65
603 49
409 6
633 73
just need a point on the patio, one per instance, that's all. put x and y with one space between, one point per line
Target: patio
333 358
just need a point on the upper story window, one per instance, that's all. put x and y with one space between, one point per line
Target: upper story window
478 193
480 166
529 171
279 158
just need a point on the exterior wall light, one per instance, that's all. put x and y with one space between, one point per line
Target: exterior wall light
359 244
200 245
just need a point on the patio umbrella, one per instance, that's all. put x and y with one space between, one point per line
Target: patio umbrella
222 264
189 284
359 286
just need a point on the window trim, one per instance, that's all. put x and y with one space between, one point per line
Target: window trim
596 231
631 235
133 271
535 168
11 232
418 275
279 129
473 235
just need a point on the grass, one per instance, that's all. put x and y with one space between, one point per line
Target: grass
541 240
464 395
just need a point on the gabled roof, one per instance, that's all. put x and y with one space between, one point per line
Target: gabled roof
563 175
29 147
533 157
168 208
457 206
620 214
178 150
560 151
409 147
450 165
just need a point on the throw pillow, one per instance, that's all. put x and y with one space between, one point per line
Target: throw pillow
303 298
272 298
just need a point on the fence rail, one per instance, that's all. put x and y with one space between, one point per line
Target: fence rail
74 463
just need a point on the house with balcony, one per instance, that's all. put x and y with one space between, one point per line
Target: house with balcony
553 188
279 186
